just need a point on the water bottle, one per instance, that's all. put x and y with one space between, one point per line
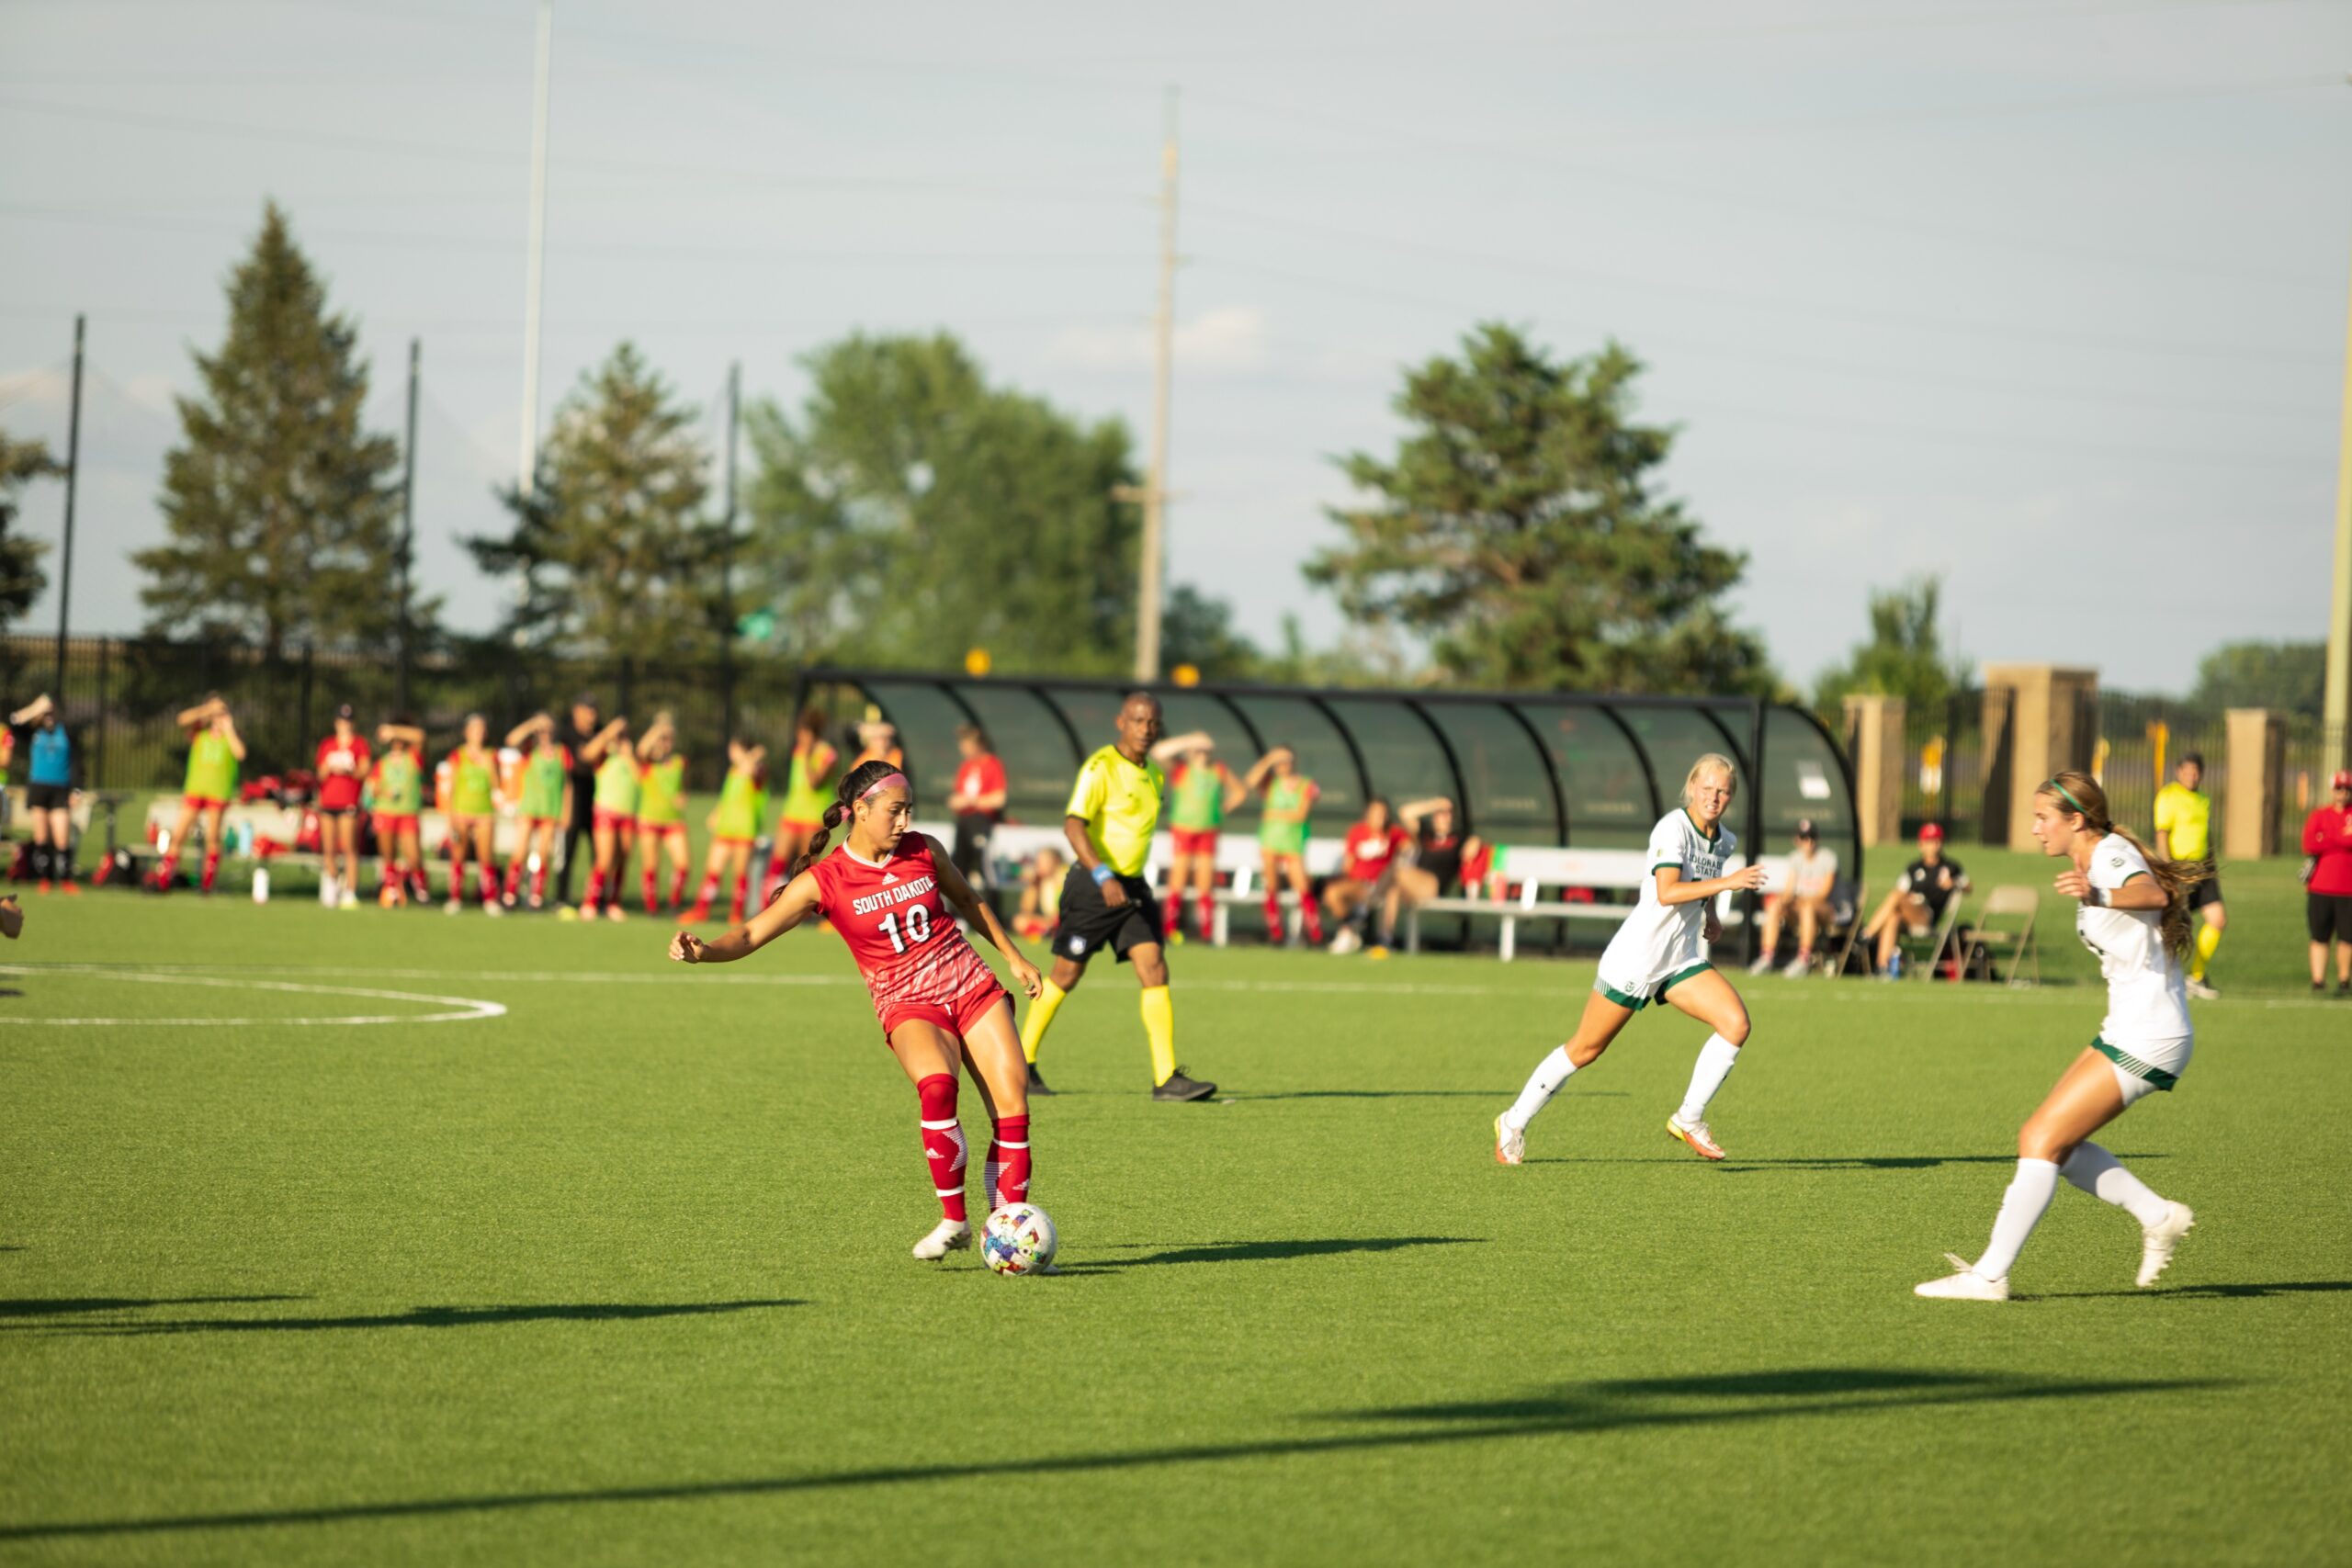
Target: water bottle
1895 966
261 885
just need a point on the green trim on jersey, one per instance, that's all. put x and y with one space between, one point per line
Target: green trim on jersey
616 785
1637 1003
2132 1065
661 792
1702 833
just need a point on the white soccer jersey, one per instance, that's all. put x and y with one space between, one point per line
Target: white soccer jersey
1657 940
2145 1002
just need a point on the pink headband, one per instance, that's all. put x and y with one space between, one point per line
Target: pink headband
885 782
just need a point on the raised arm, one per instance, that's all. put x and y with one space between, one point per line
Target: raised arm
977 915
539 723
795 904
1412 812
1256 779
32 711
388 733
602 741
202 713
228 728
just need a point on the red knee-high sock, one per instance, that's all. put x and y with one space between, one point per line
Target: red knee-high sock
710 889
212 866
677 886
943 1142
1207 908
539 882
1314 918
1275 927
652 901
514 876
596 892
1006 1175
488 883
742 890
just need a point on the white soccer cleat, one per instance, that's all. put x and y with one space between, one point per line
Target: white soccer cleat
1763 964
948 1235
1510 1143
1799 966
2157 1241
1695 1134
1345 941
452 906
1964 1284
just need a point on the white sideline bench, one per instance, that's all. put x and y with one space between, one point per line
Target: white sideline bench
1530 872
284 823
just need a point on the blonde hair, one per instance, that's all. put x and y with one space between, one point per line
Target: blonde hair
2079 794
1712 759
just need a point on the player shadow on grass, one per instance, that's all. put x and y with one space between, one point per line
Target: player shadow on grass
1825 1162
2216 1292
1574 1410
1268 1251
415 1317
1496 1095
47 1306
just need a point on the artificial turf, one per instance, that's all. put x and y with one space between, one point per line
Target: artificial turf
620 1275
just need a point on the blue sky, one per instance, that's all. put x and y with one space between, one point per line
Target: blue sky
2050 298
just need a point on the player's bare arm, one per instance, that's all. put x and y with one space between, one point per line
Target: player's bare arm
1673 890
1074 830
794 905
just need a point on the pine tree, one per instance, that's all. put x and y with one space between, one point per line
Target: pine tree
616 554
281 513
1519 529
21 578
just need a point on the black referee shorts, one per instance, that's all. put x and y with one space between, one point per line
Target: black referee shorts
1089 925
2203 891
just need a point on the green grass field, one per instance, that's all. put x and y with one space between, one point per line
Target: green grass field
618 1274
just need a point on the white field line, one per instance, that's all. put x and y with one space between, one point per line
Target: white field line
1847 992
463 1009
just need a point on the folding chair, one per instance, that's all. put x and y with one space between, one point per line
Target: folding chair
2011 903
1848 899
1942 941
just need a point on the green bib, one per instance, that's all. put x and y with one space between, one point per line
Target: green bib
1285 838
1197 801
400 785
805 798
211 767
616 785
473 784
742 805
543 775
661 792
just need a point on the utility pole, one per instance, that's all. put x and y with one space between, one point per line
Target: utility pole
727 554
535 266
2339 720
72 482
1148 592
408 516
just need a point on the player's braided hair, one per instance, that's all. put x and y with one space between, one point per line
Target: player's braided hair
2080 794
853 785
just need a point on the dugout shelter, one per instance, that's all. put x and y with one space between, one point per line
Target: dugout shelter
1570 770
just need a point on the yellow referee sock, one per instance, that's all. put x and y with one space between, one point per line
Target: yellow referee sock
1040 1019
2209 940
1159 1023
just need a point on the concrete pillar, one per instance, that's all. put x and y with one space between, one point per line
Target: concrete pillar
2048 719
1880 757
2257 774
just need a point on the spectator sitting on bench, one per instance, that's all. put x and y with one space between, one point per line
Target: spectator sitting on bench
1441 854
1041 895
1350 898
1812 872
1919 899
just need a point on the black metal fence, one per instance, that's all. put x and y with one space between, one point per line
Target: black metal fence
2314 754
121 696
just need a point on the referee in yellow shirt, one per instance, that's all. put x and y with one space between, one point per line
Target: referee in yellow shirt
1106 904
2184 832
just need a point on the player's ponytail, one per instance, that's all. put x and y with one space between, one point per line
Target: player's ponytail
2080 794
853 785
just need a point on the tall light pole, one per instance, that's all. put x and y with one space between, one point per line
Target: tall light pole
73 484
535 266
2338 713
1148 590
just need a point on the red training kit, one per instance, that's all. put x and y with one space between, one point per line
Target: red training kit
904 937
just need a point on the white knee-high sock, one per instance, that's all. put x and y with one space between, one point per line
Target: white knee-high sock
1542 1085
2030 1192
1716 1058
2096 1172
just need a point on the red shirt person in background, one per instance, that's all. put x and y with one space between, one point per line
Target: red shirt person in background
1372 846
344 758
978 801
2327 839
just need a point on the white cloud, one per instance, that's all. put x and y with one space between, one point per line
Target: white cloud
1230 338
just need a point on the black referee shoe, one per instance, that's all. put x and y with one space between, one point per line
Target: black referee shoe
1179 1086
1037 1084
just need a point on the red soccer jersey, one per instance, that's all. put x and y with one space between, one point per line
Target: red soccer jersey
342 764
2327 833
902 933
1369 851
983 774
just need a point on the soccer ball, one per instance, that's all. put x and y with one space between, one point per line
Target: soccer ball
1019 1239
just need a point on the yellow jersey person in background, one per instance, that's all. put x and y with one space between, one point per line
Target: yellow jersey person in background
1114 810
2185 832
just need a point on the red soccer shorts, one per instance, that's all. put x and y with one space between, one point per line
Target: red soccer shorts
958 1017
389 827
661 830
723 840
620 821
200 802
1194 841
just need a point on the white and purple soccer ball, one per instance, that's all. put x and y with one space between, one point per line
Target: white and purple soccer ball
1019 1239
